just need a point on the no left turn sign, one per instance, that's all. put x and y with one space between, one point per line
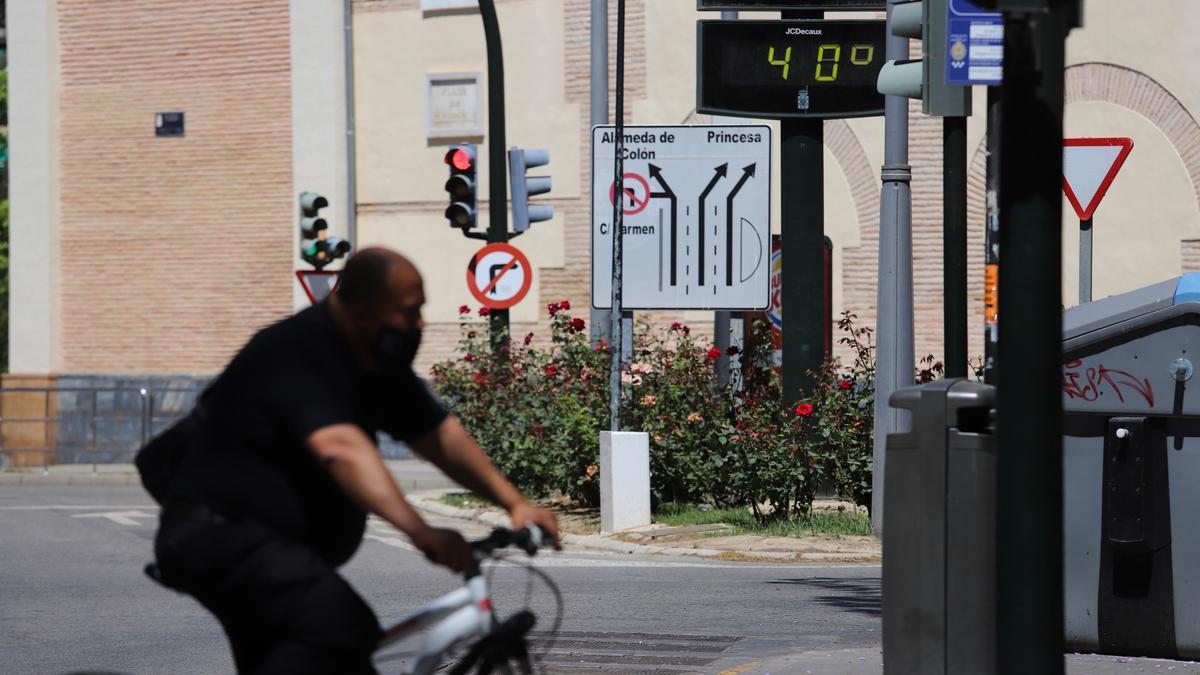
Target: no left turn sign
499 276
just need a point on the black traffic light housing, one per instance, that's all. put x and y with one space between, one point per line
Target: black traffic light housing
317 248
461 186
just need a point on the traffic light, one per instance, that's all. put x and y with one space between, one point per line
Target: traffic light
924 78
461 186
524 187
317 248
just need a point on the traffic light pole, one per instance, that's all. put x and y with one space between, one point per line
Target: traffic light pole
599 116
894 320
497 143
1029 465
954 243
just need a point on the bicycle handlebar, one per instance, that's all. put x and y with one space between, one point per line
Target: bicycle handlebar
529 539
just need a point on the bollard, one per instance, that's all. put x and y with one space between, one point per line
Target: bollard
624 480
939 562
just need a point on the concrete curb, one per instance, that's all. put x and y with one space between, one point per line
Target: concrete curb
429 502
42 478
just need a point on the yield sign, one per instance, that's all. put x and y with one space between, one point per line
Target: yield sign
1089 166
318 284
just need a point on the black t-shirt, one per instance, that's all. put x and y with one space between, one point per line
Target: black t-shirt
249 458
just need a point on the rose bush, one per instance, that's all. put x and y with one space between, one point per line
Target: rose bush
537 409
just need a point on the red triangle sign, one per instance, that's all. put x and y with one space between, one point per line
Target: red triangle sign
318 284
1089 167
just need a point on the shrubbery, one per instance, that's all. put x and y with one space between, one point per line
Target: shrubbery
537 410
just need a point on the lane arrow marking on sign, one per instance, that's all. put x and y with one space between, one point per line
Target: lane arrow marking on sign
747 174
720 172
667 192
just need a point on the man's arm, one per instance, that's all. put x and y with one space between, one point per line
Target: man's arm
451 448
356 466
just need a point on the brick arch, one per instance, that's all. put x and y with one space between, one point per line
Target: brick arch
1129 89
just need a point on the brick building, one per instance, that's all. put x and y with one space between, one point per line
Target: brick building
147 257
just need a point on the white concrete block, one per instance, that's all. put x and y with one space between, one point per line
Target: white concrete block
624 480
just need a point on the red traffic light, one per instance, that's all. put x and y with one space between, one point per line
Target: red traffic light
460 159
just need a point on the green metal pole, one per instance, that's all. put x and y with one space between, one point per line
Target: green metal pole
1029 460
497 167
802 210
954 244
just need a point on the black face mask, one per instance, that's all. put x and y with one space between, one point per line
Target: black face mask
395 349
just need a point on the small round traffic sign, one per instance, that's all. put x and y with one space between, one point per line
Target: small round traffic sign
636 194
499 276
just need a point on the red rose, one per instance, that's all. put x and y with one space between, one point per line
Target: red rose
469 357
686 330
551 370
578 324
553 308
733 350
528 339
463 309
844 384
565 304
479 378
471 334
804 410
484 311
602 346
676 326
714 353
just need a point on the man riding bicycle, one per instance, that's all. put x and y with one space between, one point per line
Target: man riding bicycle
273 491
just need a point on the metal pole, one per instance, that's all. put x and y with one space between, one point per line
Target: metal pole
722 318
497 173
1029 465
351 150
1085 261
599 116
954 244
894 321
615 327
991 237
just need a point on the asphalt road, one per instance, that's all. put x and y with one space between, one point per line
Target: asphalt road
73 599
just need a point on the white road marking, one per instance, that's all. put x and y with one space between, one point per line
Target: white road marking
118 517
75 507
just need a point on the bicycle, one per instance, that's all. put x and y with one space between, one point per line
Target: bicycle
466 613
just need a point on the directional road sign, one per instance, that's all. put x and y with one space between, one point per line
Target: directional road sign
318 284
697 223
1089 167
499 276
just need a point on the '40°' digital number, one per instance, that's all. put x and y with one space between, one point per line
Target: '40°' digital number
829 59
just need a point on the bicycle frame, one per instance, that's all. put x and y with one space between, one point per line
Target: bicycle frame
461 614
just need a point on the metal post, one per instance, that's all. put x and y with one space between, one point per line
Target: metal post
1029 460
497 173
802 211
599 116
991 237
894 321
954 244
351 150
721 318
1085 261
92 428
615 327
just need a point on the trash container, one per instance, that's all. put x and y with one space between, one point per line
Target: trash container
1131 472
939 581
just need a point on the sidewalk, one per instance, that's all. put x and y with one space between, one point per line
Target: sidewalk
702 541
870 662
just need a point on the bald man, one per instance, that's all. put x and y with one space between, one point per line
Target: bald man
273 494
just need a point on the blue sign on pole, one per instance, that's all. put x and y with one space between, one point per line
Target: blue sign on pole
974 45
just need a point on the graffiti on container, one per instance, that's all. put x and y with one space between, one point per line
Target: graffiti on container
1091 382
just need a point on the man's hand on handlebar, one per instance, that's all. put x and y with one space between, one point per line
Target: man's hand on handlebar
445 547
525 513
